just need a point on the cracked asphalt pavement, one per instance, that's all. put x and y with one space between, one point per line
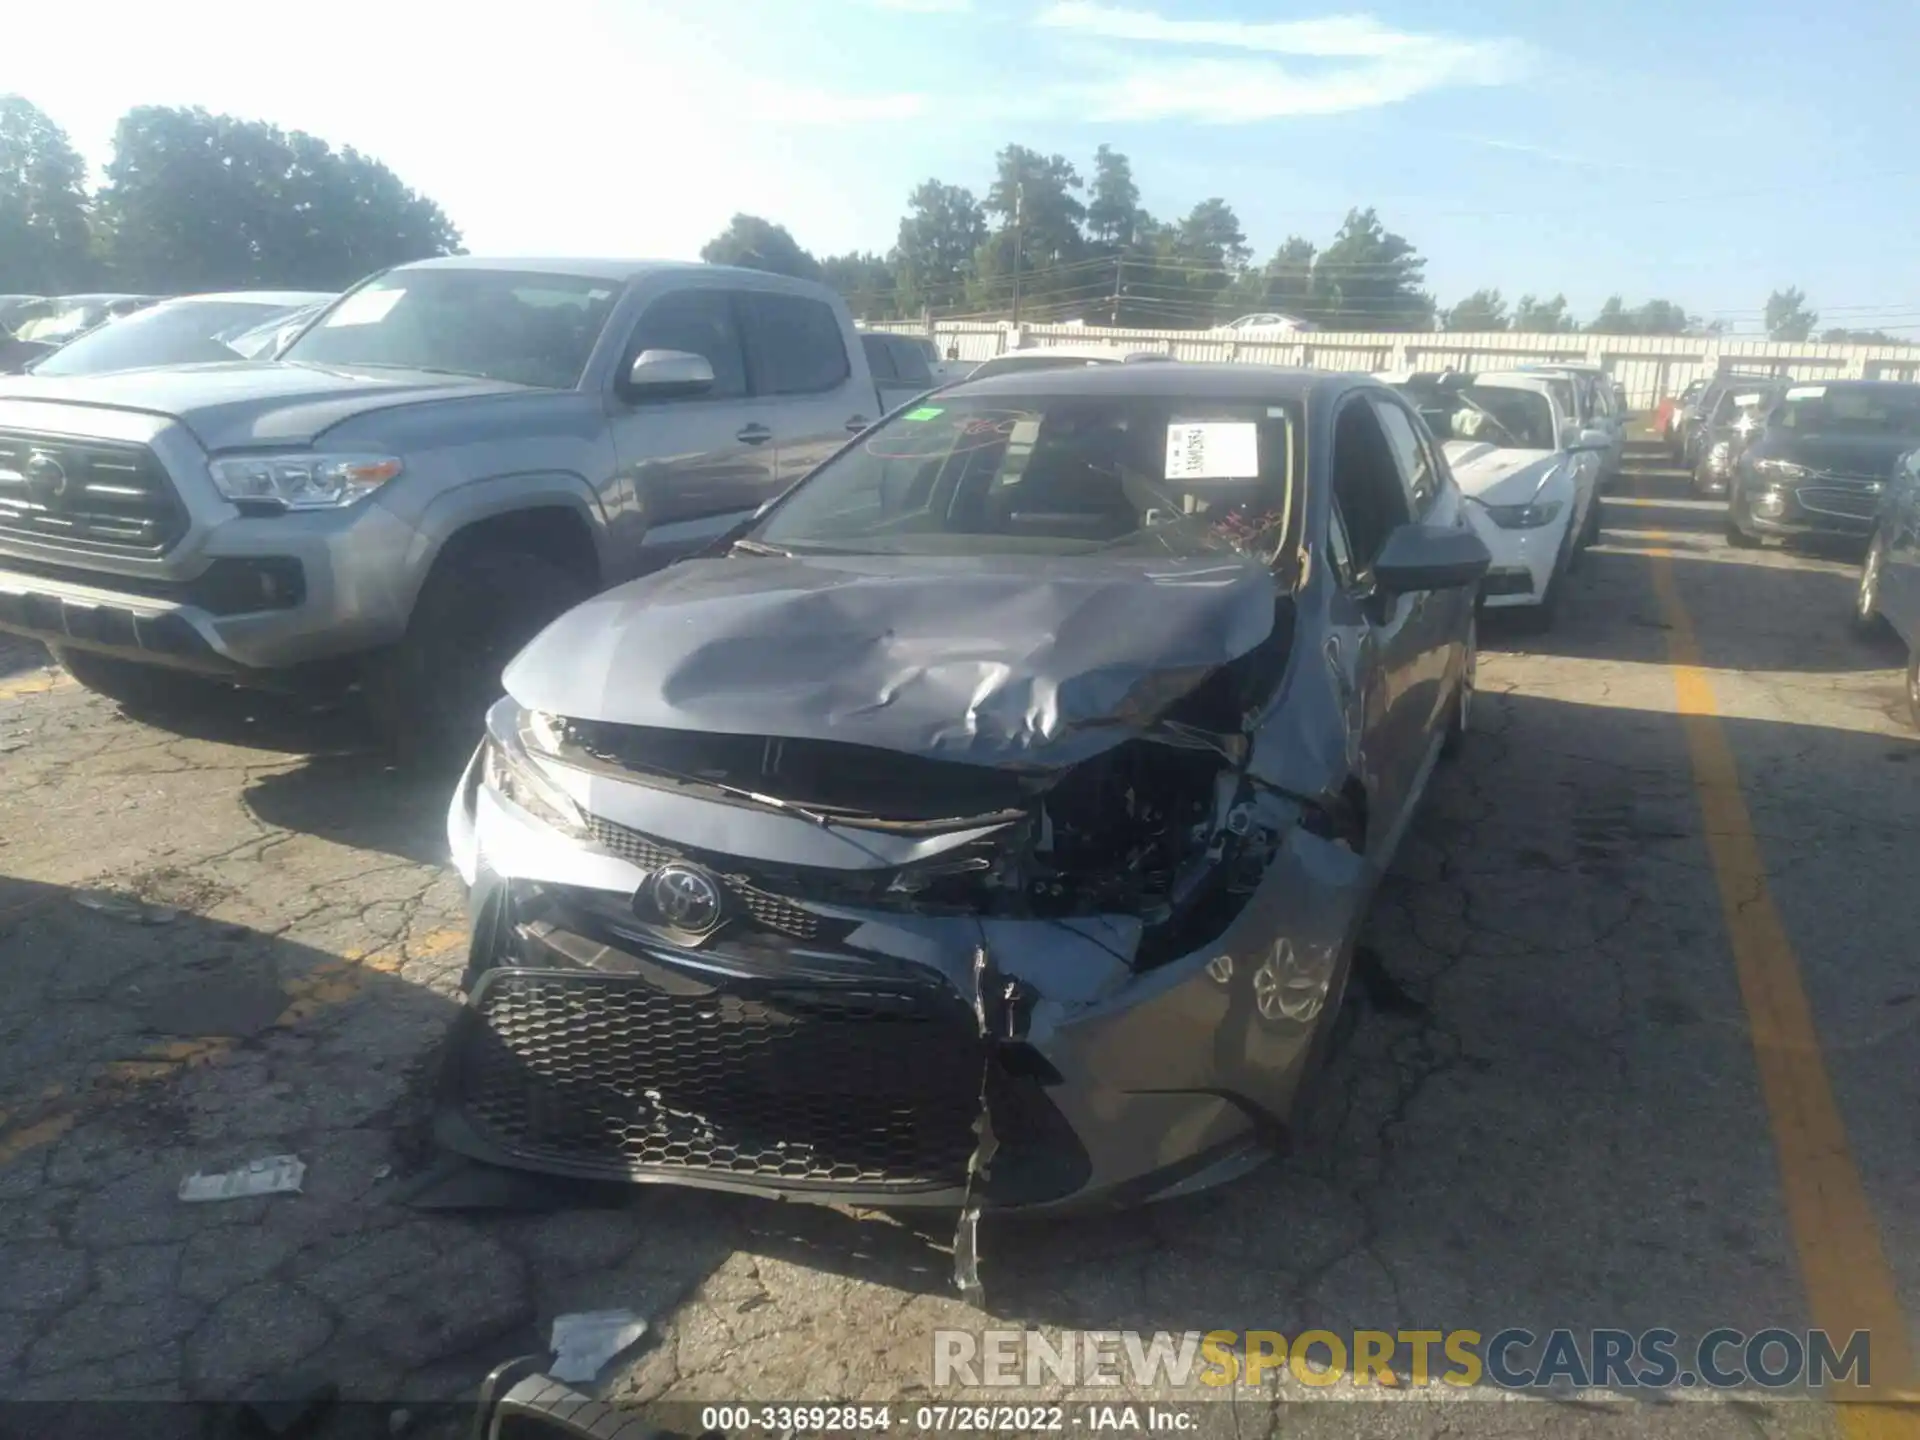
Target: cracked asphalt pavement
1548 1111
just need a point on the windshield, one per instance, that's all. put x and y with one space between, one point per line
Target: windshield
1499 415
179 334
1850 410
516 326
54 324
1053 475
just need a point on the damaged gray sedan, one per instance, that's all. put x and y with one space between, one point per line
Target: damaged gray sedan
990 822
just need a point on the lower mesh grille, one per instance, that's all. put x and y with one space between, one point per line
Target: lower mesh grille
606 1075
773 911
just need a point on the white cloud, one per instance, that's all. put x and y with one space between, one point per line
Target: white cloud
925 7
1384 66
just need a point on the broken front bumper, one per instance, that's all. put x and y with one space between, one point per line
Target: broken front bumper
824 1052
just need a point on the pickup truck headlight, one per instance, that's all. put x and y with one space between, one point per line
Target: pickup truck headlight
1525 517
1780 469
302 482
508 771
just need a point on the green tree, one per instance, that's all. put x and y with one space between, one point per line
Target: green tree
1788 317
44 240
1534 316
1033 196
1841 336
196 201
1369 278
758 244
1285 283
1479 313
1211 251
1113 209
943 227
865 281
1655 317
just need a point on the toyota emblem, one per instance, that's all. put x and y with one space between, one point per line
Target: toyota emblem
687 899
46 478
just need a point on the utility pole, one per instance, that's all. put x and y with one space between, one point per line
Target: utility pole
1119 268
1019 194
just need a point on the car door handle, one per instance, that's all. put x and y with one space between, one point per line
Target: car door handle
857 424
754 435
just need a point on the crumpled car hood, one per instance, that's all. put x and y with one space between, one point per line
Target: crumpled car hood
1016 661
1498 475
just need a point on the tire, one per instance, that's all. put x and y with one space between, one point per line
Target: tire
1913 687
1738 538
1462 718
1590 532
478 608
1867 620
138 689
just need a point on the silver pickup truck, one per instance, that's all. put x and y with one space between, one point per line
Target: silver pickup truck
447 458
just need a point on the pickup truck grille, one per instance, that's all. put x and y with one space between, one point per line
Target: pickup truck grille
95 496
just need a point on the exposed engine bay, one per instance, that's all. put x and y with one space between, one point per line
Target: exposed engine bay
1155 830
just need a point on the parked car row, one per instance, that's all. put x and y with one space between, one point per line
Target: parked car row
1016 757
91 334
1833 460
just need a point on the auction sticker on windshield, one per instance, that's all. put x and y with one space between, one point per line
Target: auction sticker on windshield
1213 450
1806 392
925 412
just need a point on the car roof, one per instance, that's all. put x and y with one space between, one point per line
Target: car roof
292 299
1516 380
1085 350
614 271
1202 381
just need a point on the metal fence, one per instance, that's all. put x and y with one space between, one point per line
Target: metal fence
1648 366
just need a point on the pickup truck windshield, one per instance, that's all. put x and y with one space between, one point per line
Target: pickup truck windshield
1052 475
518 326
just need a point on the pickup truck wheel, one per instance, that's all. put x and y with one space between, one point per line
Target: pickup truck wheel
477 610
1913 687
138 689
1866 598
1738 538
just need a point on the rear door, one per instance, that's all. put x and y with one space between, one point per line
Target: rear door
1369 503
804 382
1436 620
691 463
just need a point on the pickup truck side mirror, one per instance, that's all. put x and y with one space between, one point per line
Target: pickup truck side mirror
661 374
1419 557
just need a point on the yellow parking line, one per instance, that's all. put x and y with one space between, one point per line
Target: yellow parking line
1843 1268
38 682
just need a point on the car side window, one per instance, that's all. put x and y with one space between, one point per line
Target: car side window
879 356
795 344
910 362
1410 456
1367 487
700 321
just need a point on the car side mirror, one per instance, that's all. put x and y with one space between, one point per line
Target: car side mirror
657 374
1430 557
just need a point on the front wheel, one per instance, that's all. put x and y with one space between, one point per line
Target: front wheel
474 614
1913 687
1866 597
1738 538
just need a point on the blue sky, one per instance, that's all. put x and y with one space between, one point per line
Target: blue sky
1705 153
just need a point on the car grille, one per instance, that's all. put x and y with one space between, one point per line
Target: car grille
1854 501
101 496
773 911
862 1086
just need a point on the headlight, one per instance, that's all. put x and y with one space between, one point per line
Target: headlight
303 482
1781 469
508 771
1525 517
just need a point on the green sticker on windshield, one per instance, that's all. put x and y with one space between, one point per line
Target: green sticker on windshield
925 412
